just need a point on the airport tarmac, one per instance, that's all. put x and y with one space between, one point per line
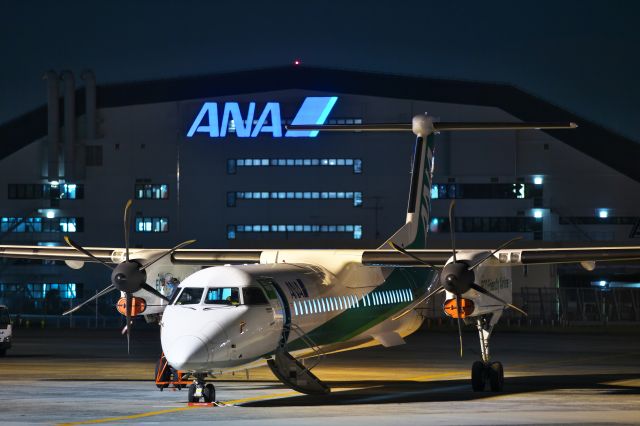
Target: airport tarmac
86 377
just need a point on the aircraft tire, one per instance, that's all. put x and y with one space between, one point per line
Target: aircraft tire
496 377
192 392
478 380
209 393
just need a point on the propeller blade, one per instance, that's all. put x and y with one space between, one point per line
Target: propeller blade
128 315
85 252
127 209
406 253
166 253
154 292
486 292
475 265
102 292
412 306
459 325
452 228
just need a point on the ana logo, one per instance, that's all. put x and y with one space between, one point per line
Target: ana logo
314 110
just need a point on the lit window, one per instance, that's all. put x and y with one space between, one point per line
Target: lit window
151 191
357 199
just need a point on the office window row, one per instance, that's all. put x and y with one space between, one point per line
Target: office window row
351 301
232 197
485 190
146 191
487 224
354 230
593 220
46 191
152 224
41 224
234 163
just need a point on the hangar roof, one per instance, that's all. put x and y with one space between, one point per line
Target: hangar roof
621 153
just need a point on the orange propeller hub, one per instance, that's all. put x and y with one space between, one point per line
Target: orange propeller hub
466 308
138 306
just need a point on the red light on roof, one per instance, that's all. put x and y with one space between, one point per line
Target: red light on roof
296 62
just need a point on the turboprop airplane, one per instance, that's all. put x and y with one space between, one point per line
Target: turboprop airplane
238 309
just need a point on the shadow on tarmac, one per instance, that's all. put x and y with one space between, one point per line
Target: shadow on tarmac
368 392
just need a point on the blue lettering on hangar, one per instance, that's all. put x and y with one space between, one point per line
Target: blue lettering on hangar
314 110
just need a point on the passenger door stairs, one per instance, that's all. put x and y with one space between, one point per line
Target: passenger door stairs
292 372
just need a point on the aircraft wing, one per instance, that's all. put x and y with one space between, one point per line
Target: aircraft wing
534 256
115 255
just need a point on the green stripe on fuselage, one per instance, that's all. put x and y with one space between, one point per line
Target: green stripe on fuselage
355 321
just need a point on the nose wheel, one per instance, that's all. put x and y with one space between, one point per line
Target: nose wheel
199 390
485 372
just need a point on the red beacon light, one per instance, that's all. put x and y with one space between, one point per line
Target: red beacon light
297 62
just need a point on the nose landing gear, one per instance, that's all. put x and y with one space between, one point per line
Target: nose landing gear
486 372
198 389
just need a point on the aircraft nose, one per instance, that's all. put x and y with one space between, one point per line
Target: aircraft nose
187 352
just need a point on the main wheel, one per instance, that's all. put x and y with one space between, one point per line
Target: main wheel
496 377
209 393
478 376
192 391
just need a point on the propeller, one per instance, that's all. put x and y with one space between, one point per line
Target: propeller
128 276
456 277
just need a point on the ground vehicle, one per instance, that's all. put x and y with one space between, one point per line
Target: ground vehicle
5 330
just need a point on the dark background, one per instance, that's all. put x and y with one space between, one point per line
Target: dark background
580 55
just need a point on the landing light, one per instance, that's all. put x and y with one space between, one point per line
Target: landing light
537 180
603 213
602 283
537 213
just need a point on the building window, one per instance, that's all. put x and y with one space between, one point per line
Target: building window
41 224
147 191
592 220
152 224
232 197
485 190
487 224
355 231
39 191
354 163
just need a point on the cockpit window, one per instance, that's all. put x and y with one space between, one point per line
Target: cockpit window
254 296
223 296
190 296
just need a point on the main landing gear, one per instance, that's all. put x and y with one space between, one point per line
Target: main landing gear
485 372
198 389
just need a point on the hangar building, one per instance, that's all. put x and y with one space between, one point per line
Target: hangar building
208 158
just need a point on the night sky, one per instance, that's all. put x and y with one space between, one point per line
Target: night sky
581 55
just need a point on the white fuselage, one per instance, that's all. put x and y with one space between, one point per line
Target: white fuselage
338 309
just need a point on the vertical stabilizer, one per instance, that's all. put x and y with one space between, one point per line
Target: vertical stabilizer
413 234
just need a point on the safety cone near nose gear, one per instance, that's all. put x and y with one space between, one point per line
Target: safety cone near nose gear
128 276
458 277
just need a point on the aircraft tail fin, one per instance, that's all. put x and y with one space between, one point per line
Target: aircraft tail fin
413 234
